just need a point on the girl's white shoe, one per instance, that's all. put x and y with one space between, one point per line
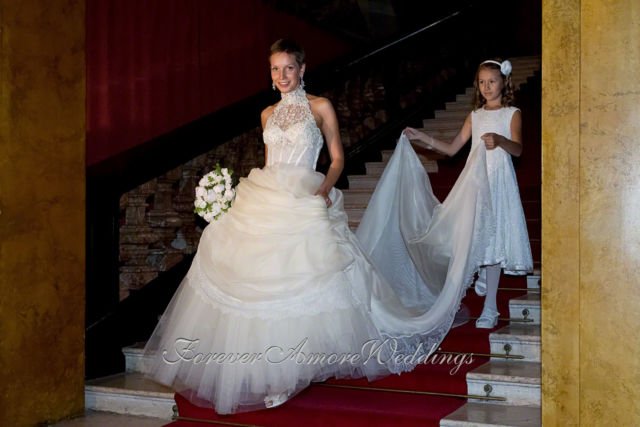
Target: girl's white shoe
488 319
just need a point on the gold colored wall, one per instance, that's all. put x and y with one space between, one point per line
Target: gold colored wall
42 200
591 212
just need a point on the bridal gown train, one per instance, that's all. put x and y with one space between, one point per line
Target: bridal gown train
281 293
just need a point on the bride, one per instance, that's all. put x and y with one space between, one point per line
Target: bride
281 293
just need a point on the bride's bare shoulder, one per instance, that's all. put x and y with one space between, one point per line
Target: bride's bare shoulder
319 103
266 113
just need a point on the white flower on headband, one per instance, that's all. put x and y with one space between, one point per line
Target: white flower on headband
505 66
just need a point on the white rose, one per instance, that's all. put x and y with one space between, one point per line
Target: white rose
200 203
203 181
225 172
200 192
208 216
211 196
215 209
218 188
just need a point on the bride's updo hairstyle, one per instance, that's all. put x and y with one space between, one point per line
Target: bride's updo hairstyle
504 67
291 47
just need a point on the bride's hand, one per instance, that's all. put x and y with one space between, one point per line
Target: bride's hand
325 195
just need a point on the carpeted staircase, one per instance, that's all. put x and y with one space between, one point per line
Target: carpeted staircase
499 368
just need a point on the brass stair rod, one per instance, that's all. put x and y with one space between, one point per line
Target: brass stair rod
428 393
529 290
497 355
506 319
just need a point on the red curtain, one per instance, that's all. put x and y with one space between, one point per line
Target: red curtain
153 65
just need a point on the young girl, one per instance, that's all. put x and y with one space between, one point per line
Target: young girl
495 123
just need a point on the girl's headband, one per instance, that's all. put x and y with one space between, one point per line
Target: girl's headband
505 66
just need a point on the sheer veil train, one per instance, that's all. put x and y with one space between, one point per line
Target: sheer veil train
426 250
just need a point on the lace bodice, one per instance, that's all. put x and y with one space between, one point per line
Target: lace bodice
291 133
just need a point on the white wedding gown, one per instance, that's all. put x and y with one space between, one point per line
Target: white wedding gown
281 293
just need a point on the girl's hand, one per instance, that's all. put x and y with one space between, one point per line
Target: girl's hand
325 195
492 140
412 133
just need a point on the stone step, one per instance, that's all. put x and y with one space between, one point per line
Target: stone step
518 79
459 115
362 182
533 280
376 168
133 357
517 339
446 125
430 155
355 215
518 382
526 306
457 106
356 198
492 415
464 98
129 393
443 134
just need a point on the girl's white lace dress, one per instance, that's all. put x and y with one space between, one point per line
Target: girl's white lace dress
510 248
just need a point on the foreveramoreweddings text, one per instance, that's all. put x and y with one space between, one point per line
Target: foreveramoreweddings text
382 351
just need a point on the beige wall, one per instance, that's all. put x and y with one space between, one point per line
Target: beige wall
591 212
42 139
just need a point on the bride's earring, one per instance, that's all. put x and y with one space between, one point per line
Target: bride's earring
273 86
301 82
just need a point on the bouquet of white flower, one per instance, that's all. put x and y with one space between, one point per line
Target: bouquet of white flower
214 194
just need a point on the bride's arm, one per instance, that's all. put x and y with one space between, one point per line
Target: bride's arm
330 130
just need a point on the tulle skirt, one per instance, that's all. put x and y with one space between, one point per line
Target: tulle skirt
279 294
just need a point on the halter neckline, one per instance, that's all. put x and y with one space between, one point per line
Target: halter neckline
296 95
